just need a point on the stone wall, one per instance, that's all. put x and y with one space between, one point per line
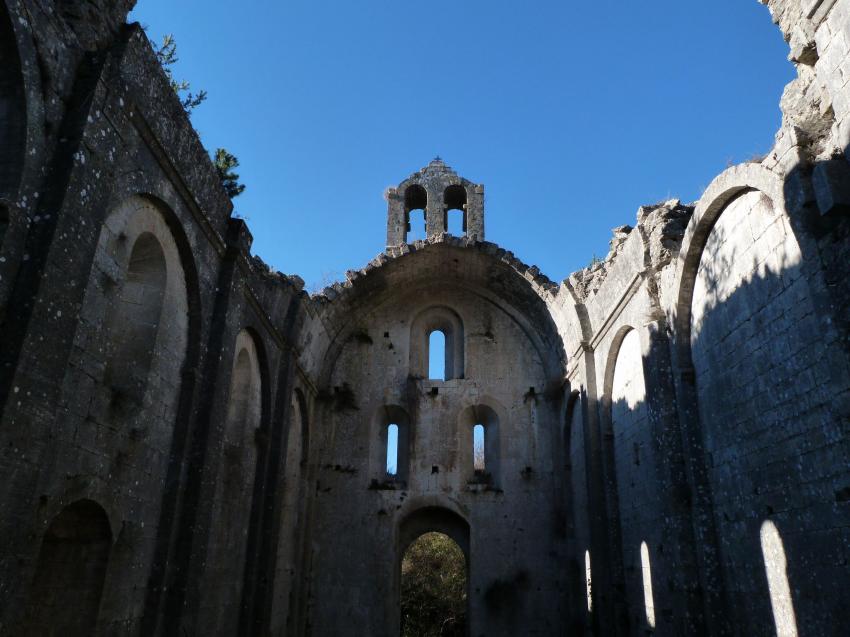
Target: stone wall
106 401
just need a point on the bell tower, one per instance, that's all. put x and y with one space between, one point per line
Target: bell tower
436 189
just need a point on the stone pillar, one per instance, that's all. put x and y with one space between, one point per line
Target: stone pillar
397 225
435 217
475 212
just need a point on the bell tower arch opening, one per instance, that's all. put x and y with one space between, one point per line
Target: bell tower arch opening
415 215
454 205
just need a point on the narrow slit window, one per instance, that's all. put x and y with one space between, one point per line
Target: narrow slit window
392 450
437 355
588 581
648 601
478 459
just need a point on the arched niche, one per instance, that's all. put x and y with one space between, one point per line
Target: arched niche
65 594
234 487
244 405
285 610
487 417
630 466
138 277
448 322
133 320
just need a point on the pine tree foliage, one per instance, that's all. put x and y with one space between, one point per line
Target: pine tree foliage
225 162
433 588
166 53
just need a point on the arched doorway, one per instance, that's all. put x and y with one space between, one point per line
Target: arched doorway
433 588
65 594
433 598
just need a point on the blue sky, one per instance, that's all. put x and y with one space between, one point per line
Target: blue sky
572 114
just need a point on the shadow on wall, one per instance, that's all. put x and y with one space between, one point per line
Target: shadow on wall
775 440
765 374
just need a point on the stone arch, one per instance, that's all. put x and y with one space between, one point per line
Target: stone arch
747 330
433 518
233 498
65 593
723 189
608 377
13 110
417 522
447 321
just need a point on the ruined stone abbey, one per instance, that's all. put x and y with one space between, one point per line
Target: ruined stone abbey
190 444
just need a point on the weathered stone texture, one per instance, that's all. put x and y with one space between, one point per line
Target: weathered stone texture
190 444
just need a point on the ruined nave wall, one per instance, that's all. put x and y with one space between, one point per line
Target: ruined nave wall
739 303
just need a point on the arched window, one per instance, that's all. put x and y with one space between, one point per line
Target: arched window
134 320
435 563
479 458
392 450
392 456
436 344
437 355
454 206
65 593
648 600
415 204
480 445
776 569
